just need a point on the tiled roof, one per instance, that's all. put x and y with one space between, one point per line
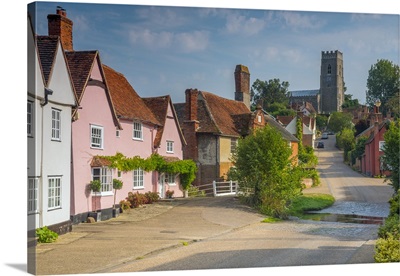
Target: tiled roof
221 111
98 161
127 103
159 106
80 64
304 93
285 120
47 48
285 133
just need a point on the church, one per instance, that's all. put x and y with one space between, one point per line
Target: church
330 95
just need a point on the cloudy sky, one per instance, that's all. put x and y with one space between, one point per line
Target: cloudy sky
167 49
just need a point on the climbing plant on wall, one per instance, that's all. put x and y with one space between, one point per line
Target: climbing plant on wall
185 168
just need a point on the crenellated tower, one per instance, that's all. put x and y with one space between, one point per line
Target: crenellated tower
331 81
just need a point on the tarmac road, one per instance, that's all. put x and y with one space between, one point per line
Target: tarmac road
217 233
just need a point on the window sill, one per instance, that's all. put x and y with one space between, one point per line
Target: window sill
103 194
138 139
138 188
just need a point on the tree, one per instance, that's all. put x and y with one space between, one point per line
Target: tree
349 102
263 168
339 121
359 147
346 141
360 126
391 151
270 92
382 83
394 105
321 121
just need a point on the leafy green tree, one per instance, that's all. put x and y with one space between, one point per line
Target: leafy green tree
279 109
383 83
267 178
321 121
391 154
270 92
359 147
339 121
346 141
394 105
360 126
349 102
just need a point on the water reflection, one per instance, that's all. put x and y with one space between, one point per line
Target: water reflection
346 218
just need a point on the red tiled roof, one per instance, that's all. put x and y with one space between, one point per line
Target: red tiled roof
221 111
127 103
47 48
80 64
159 106
98 161
284 120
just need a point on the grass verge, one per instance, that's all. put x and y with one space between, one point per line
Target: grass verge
310 202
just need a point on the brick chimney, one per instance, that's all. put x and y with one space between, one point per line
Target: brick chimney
190 124
60 25
242 84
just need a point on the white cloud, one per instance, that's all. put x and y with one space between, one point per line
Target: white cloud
297 20
240 24
186 41
193 42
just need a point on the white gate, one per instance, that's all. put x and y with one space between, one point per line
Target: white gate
225 188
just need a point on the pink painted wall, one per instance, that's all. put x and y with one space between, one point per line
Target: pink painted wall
95 110
171 133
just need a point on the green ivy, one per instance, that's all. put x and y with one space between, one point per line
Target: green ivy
185 168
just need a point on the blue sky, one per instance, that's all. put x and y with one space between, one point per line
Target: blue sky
167 49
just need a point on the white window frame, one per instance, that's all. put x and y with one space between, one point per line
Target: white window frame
30 118
138 179
104 174
95 144
137 133
170 179
170 146
54 193
234 144
32 195
381 145
55 124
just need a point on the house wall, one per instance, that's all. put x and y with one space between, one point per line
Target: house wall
225 155
94 100
171 133
208 169
46 157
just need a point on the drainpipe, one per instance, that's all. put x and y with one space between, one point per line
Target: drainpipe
47 92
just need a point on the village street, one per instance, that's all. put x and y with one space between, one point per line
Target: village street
216 233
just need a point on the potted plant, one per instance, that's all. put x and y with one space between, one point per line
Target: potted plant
95 186
169 194
117 185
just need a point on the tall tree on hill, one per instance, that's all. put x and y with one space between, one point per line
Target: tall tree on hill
383 83
270 92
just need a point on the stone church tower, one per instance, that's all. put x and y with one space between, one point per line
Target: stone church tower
331 81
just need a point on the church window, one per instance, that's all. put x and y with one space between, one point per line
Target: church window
329 69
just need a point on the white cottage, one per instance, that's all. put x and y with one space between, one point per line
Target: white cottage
50 101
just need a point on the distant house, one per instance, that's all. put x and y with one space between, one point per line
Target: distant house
50 102
168 142
371 163
309 127
212 126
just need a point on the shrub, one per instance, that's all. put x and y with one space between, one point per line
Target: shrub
125 205
136 199
194 191
169 194
151 197
387 250
45 235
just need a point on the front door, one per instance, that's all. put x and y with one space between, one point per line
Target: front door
161 182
